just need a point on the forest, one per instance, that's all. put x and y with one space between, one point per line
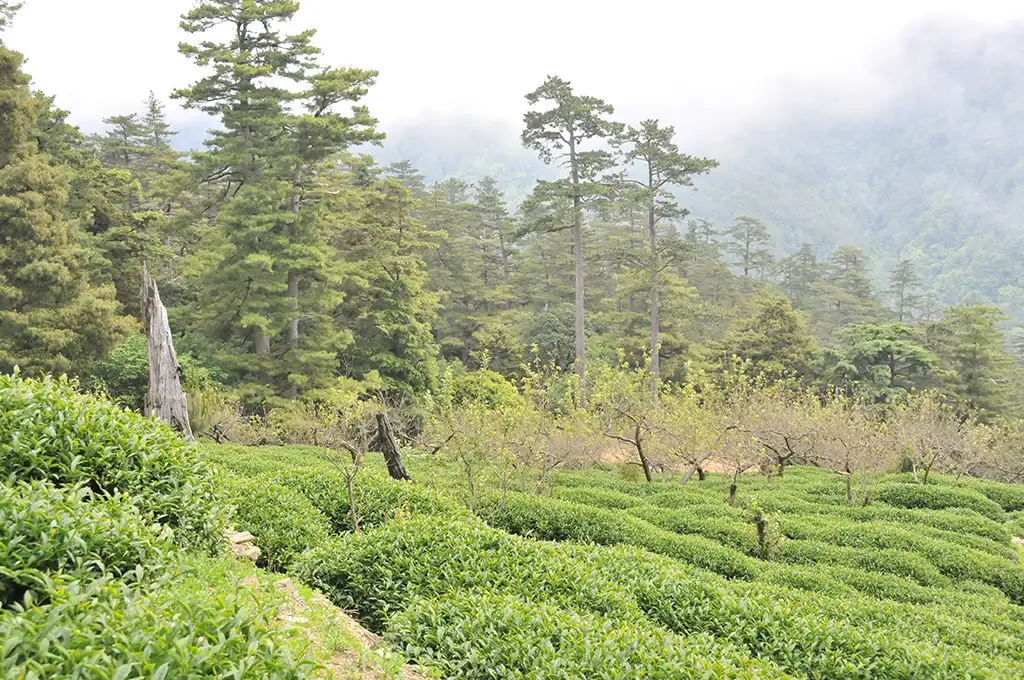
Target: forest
432 429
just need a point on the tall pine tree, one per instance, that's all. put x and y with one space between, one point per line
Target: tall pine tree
561 133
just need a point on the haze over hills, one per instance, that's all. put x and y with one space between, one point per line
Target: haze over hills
935 172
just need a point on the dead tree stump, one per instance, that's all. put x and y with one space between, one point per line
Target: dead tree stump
166 399
387 443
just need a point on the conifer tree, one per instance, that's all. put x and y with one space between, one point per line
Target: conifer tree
903 282
53 316
800 272
774 340
388 309
561 133
750 245
662 166
971 348
847 291
273 277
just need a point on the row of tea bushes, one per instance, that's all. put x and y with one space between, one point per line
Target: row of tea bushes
564 521
483 635
387 572
106 523
50 432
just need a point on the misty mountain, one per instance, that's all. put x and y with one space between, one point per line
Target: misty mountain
935 174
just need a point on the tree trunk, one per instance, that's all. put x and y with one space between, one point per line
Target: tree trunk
655 298
577 233
732 493
166 399
388 445
293 326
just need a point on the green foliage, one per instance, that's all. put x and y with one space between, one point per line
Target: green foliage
201 623
48 431
378 499
283 521
50 537
937 497
774 341
563 521
54 314
381 571
881 362
124 373
483 387
500 636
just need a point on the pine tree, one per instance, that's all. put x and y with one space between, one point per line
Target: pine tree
387 308
750 246
800 272
971 348
561 133
662 166
903 281
847 291
53 316
273 280
774 341
7 12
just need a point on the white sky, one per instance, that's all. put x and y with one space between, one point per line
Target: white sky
710 67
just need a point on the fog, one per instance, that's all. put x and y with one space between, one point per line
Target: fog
712 69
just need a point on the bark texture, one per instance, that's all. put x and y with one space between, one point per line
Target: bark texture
166 399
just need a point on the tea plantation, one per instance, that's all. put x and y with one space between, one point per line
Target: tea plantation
112 564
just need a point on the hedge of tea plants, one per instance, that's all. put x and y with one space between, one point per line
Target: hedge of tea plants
107 525
606 577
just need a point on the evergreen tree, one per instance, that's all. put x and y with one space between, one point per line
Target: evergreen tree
971 347
774 341
272 276
7 12
53 315
903 282
846 293
800 272
388 310
750 246
662 166
560 133
881 361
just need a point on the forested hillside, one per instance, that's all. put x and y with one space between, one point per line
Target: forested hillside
932 174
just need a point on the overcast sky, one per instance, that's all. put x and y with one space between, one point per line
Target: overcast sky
709 67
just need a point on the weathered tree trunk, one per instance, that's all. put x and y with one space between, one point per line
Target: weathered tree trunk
166 399
388 445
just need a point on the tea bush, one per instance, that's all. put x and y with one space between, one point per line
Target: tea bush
693 520
50 432
50 537
802 641
199 624
378 572
378 499
896 562
485 635
937 497
601 498
283 521
563 521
